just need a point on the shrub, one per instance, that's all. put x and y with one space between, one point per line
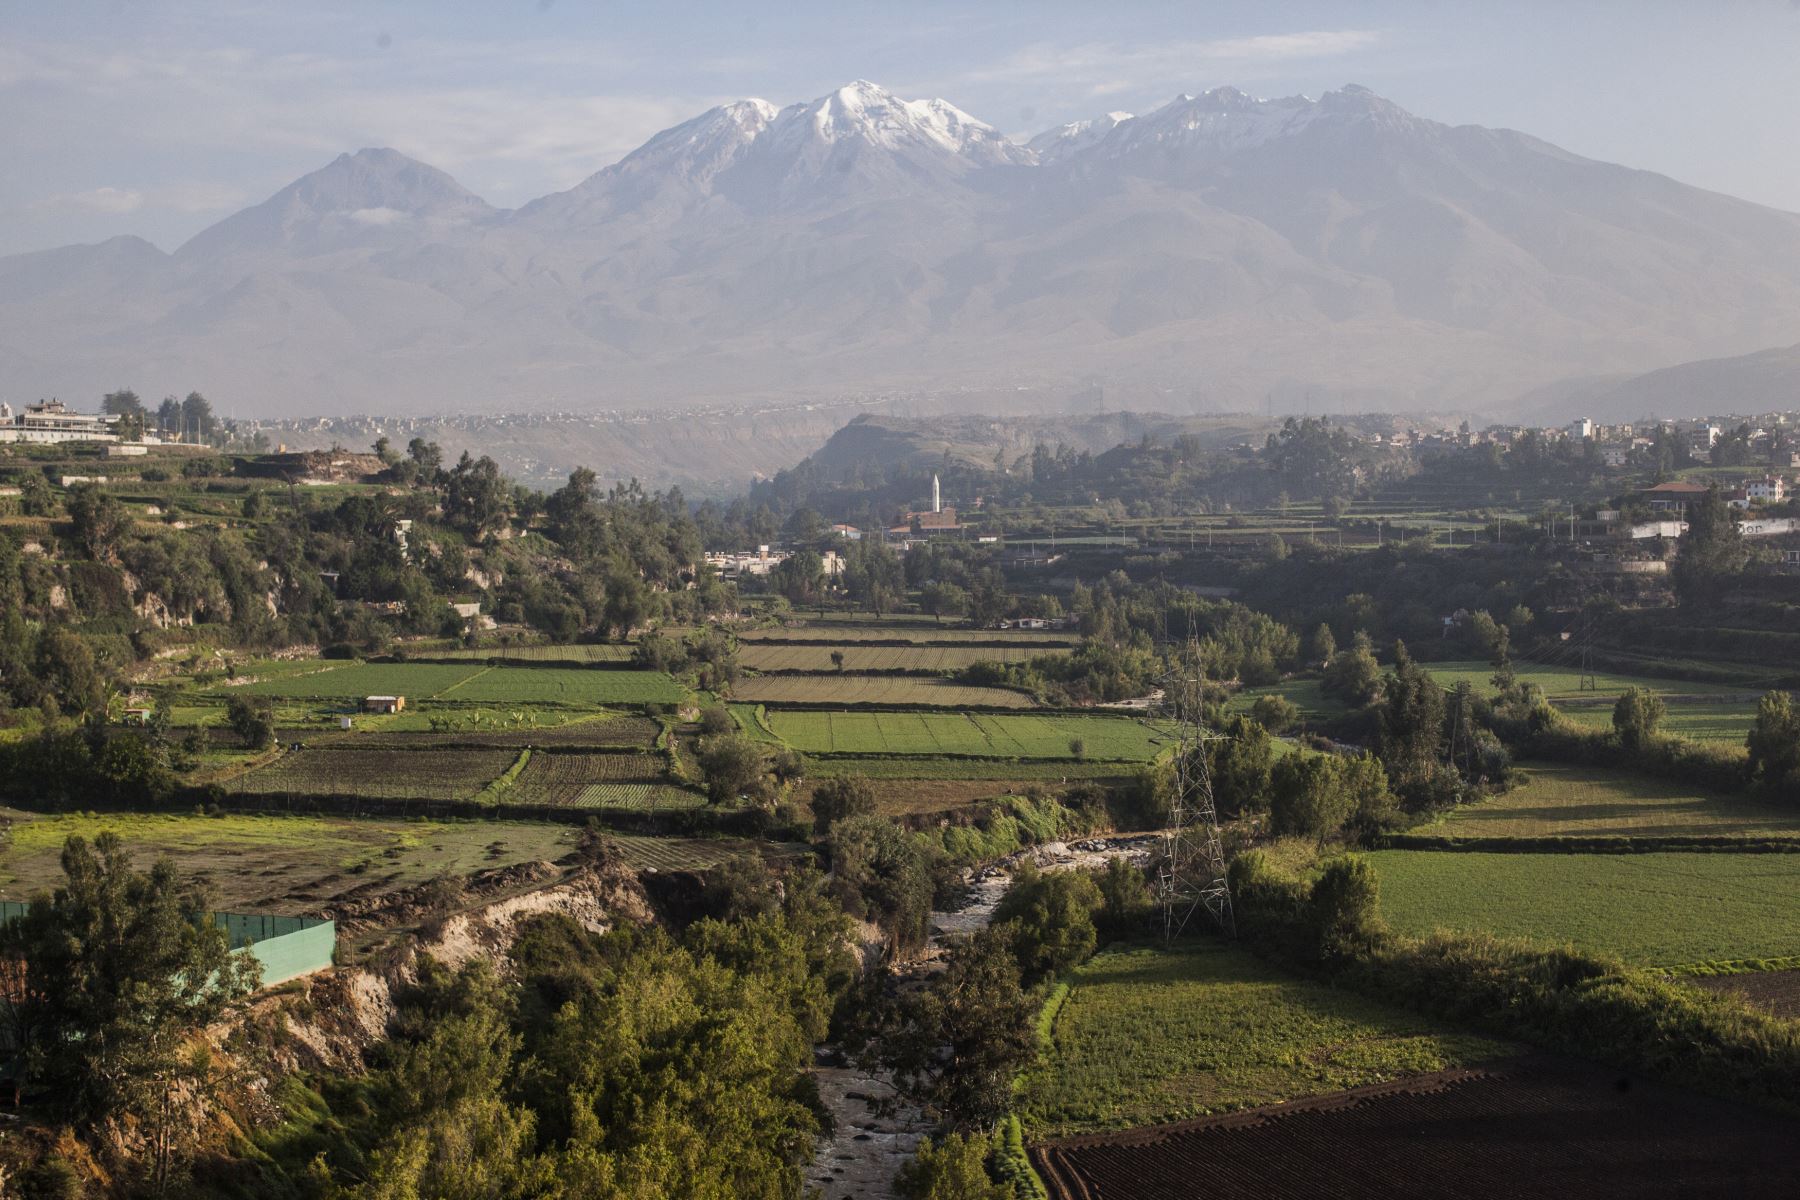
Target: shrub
841 797
1277 714
1050 920
953 1169
1344 908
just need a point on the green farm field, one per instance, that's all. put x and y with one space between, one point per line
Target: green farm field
1118 739
919 768
282 864
585 652
377 774
921 635
1564 682
784 656
475 684
564 779
874 689
1566 801
1700 720
1661 909
1148 1035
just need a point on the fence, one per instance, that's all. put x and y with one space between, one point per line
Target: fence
287 947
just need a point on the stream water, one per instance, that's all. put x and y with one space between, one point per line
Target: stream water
877 1129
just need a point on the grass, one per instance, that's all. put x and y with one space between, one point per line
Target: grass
777 656
1147 1035
1002 736
474 683
282 864
1701 720
1303 693
923 635
1565 683
874 689
584 652
1566 801
1660 909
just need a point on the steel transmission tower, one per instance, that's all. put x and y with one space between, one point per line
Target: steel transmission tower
1191 875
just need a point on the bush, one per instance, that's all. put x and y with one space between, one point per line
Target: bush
954 1169
716 720
1344 909
1277 714
1050 921
841 797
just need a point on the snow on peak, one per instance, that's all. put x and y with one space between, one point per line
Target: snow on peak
1219 122
866 112
1055 144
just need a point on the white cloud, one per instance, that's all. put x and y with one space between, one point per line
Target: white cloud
1105 67
377 216
103 200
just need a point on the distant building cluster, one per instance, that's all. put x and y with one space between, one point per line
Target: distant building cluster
51 421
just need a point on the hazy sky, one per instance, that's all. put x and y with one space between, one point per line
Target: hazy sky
157 117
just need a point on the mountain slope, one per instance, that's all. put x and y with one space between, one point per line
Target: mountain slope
1208 255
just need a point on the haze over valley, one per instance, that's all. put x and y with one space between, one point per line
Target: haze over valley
1218 253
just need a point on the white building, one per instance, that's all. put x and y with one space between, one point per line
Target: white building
1770 489
51 421
1581 428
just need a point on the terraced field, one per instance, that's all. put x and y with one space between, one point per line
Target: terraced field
567 779
919 768
607 731
1148 1034
474 684
597 652
1660 909
1701 720
780 656
377 774
874 689
1118 739
923 635
1565 801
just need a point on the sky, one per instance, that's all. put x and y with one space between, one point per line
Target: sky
159 117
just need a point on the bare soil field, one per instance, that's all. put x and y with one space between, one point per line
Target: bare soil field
1775 992
907 797
1532 1126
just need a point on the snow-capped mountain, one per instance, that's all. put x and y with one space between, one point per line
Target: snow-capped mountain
1208 252
1053 145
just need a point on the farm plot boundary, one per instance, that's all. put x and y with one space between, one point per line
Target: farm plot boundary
1531 1125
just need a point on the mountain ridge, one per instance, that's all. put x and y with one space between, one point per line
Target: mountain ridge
1218 252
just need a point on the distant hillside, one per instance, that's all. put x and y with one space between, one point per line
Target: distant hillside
1220 253
1766 381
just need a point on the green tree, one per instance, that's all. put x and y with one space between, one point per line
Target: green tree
735 768
1308 798
1352 675
1240 767
1049 919
1275 713
955 1168
252 718
1774 746
1636 715
1344 908
966 1036
943 599
1711 552
121 968
66 668
99 520
881 872
1412 727
196 418
839 797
